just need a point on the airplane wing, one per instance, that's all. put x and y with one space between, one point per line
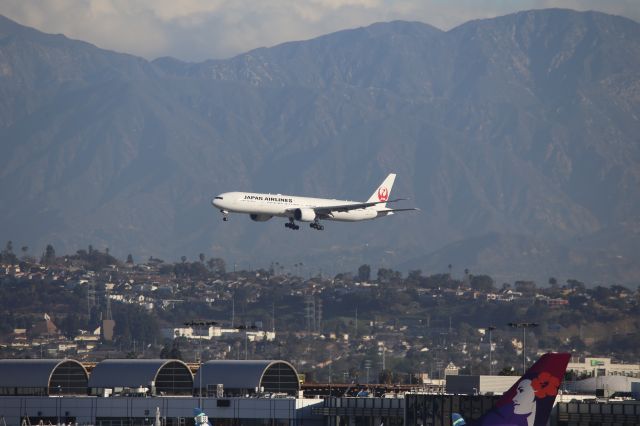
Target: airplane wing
325 210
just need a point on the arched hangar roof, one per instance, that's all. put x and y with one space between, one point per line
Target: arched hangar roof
38 373
112 373
273 375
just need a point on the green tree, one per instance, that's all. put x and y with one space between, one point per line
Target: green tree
576 285
49 256
217 265
415 277
388 276
176 353
508 371
7 254
70 325
364 273
482 283
385 377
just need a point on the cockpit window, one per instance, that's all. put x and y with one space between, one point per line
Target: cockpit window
218 198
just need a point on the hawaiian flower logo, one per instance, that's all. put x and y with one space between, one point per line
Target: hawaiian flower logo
545 385
383 194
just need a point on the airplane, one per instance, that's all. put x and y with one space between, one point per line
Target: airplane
530 400
262 207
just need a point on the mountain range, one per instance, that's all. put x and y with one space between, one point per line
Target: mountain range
516 136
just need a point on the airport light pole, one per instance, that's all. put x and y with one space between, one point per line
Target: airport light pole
524 326
490 329
246 338
206 324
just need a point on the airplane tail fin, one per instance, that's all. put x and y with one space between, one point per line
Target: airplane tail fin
383 192
530 398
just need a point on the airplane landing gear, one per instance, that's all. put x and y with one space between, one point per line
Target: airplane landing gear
291 225
317 225
225 217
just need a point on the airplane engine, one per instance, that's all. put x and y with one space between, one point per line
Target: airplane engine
304 215
260 217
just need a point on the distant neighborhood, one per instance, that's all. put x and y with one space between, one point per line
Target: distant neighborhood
354 326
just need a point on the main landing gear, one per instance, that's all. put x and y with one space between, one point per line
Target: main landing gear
314 225
291 225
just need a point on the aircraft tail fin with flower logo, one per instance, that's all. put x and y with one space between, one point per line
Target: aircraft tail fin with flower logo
530 400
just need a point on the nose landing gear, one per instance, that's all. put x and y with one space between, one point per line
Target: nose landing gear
225 214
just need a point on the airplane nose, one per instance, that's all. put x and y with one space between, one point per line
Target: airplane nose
217 201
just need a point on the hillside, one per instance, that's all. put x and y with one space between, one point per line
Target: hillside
514 135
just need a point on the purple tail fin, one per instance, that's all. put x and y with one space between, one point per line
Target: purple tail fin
530 400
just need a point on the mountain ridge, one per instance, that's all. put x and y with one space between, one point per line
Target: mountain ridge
518 125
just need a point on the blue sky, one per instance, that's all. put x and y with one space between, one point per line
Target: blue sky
196 30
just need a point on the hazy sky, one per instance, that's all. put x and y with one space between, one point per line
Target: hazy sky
196 30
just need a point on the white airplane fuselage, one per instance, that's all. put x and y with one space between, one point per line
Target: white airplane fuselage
262 207
265 206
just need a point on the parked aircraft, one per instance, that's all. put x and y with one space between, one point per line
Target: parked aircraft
530 400
262 207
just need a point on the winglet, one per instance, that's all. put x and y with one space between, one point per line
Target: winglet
382 193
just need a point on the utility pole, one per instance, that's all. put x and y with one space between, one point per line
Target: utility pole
233 308
201 326
384 352
310 313
490 328
356 332
319 315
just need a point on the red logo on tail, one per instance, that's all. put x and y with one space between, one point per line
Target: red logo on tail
383 194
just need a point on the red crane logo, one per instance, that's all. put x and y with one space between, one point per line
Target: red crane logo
383 194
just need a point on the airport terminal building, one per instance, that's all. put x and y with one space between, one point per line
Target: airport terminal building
254 392
136 391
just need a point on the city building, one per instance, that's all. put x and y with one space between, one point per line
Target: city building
595 367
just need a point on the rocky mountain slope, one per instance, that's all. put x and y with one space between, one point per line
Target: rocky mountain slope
516 136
